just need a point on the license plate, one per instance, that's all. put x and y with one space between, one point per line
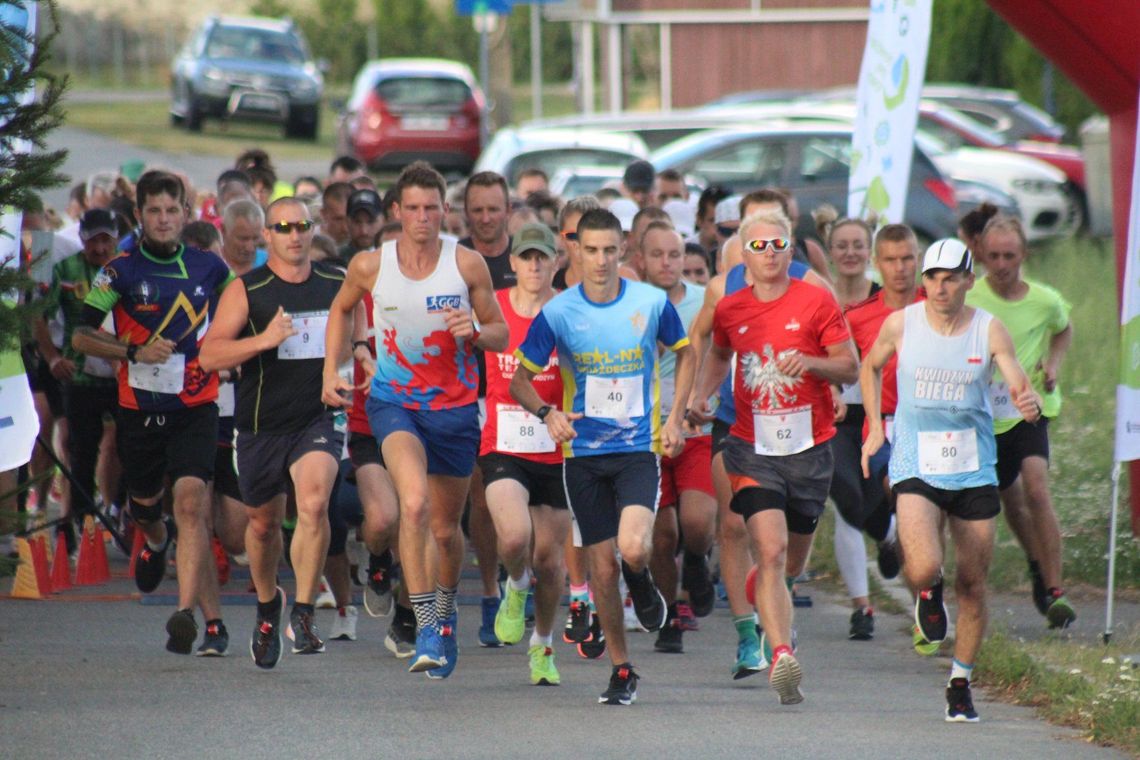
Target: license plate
424 123
256 102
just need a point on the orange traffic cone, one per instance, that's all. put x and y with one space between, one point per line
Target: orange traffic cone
101 568
40 562
136 547
85 574
60 566
28 583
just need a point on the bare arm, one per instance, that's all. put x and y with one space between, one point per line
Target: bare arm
871 383
361 276
95 342
494 334
222 348
712 374
817 259
701 329
1058 347
839 366
61 367
559 423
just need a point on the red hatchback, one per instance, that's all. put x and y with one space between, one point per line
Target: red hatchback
405 109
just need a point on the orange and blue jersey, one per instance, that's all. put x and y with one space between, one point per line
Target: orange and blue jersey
607 355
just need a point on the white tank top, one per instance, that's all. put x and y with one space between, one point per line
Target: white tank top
419 365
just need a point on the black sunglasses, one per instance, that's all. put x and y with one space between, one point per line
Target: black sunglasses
725 231
286 227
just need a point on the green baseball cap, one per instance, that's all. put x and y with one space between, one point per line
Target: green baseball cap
533 236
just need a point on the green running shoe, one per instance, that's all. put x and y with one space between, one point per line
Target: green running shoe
542 670
1060 613
921 645
510 621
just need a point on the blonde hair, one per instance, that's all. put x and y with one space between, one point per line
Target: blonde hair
772 217
1003 223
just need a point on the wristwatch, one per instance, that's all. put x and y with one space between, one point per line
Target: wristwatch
543 411
131 351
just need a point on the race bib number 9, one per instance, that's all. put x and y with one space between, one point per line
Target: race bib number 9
614 398
226 400
947 452
520 432
309 342
781 433
158 378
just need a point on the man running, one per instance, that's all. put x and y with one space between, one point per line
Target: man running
791 342
428 293
160 292
606 333
271 322
943 454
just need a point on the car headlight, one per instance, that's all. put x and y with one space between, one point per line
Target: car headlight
1035 186
305 88
214 75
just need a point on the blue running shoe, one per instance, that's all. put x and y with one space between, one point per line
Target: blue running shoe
487 637
429 650
448 633
749 660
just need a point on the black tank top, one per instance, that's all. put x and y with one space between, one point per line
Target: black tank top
280 389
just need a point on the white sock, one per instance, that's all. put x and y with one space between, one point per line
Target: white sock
851 556
522 584
541 641
959 670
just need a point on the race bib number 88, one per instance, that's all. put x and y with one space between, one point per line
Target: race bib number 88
520 432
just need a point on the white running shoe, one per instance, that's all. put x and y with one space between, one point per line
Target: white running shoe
344 624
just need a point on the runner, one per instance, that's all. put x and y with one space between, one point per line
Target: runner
427 293
271 323
791 342
160 292
522 465
943 454
606 333
1037 318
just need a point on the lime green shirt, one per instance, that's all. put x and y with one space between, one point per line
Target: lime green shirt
1032 321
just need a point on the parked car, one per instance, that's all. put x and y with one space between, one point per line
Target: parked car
404 109
1001 110
514 149
247 69
809 158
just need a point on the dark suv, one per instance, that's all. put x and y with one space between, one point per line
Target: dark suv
248 69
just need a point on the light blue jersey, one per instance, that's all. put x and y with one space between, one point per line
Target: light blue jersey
607 354
687 310
943 426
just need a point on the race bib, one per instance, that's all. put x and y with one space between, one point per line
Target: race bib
158 378
947 452
889 429
309 342
783 432
852 395
226 399
614 398
520 432
1002 402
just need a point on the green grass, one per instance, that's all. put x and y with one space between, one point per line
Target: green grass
1095 689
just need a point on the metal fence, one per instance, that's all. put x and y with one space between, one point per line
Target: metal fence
114 51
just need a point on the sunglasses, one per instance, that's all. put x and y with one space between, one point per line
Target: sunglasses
726 231
778 245
571 236
285 228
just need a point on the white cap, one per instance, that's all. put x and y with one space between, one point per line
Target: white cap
683 215
728 210
948 253
625 210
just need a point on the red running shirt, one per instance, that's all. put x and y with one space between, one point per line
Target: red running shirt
357 418
866 319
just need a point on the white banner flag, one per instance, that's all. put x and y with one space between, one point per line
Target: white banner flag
19 424
890 84
1128 385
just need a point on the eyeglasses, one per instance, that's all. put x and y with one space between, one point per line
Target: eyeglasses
778 245
571 236
285 228
725 231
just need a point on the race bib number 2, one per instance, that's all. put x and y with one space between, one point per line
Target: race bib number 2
614 398
158 378
309 342
520 432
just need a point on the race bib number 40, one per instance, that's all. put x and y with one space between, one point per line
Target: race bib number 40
158 378
614 398
947 452
309 342
518 431
783 432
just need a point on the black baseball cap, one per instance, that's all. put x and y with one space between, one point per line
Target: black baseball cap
97 221
639 175
364 199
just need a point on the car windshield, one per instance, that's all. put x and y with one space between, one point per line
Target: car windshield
550 161
423 91
254 44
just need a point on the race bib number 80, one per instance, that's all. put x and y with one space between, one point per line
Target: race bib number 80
947 452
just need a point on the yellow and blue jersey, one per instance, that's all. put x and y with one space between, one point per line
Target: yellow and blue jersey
607 354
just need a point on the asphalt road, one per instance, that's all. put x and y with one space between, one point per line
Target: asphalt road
84 678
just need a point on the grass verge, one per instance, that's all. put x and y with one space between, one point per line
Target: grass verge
1092 688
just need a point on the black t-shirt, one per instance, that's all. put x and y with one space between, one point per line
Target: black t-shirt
280 389
502 276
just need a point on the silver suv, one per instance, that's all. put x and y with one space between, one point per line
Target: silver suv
248 69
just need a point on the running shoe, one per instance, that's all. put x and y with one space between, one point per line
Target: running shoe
862 625
401 638
594 646
785 679
888 559
921 645
181 630
686 618
448 634
697 580
490 610
150 565
344 624
766 647
378 593
1041 598
623 686
749 659
1059 613
303 631
930 613
542 670
221 560
629 617
429 650
669 638
510 620
959 703
265 645
325 599
578 624
215 642
648 604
